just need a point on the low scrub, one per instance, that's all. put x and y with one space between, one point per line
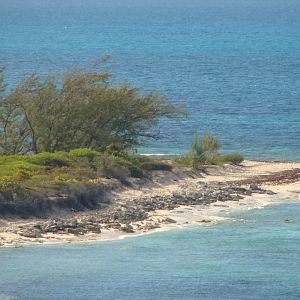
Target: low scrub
156 166
205 151
8 183
51 172
58 159
234 158
84 154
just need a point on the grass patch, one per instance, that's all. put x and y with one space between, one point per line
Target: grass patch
8 183
57 159
156 166
234 158
205 151
53 171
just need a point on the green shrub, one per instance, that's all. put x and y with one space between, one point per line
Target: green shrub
11 164
234 158
23 174
117 149
119 172
136 172
120 167
8 183
188 161
84 153
77 174
91 111
156 166
57 159
205 151
62 178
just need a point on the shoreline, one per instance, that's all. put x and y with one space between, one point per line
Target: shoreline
210 218
216 182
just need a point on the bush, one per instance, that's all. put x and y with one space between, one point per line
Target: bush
91 111
186 160
23 174
156 166
136 172
118 172
84 153
115 167
8 183
57 159
11 164
234 158
62 178
121 167
205 151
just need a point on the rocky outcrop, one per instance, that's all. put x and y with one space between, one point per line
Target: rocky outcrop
120 216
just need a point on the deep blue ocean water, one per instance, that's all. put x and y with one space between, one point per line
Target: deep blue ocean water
234 64
256 257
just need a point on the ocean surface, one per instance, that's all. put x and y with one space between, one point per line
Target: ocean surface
233 64
255 257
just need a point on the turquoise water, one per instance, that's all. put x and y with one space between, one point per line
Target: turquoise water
234 64
254 258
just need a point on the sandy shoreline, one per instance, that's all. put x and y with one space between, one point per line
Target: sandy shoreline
279 177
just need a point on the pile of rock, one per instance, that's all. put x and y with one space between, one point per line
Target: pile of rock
124 214
120 216
61 226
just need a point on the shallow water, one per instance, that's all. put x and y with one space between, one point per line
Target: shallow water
255 257
233 64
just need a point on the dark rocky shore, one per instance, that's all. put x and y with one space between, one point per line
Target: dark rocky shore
120 215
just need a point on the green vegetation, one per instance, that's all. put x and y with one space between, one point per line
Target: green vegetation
82 109
64 136
234 158
54 171
205 151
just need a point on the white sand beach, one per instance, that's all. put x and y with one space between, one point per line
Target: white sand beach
274 176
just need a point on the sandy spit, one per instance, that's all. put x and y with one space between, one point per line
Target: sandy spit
280 177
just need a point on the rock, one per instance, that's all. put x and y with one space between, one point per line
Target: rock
38 226
31 233
269 192
136 210
115 225
75 231
169 220
236 198
93 228
254 187
202 183
150 225
239 190
72 231
127 228
71 224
